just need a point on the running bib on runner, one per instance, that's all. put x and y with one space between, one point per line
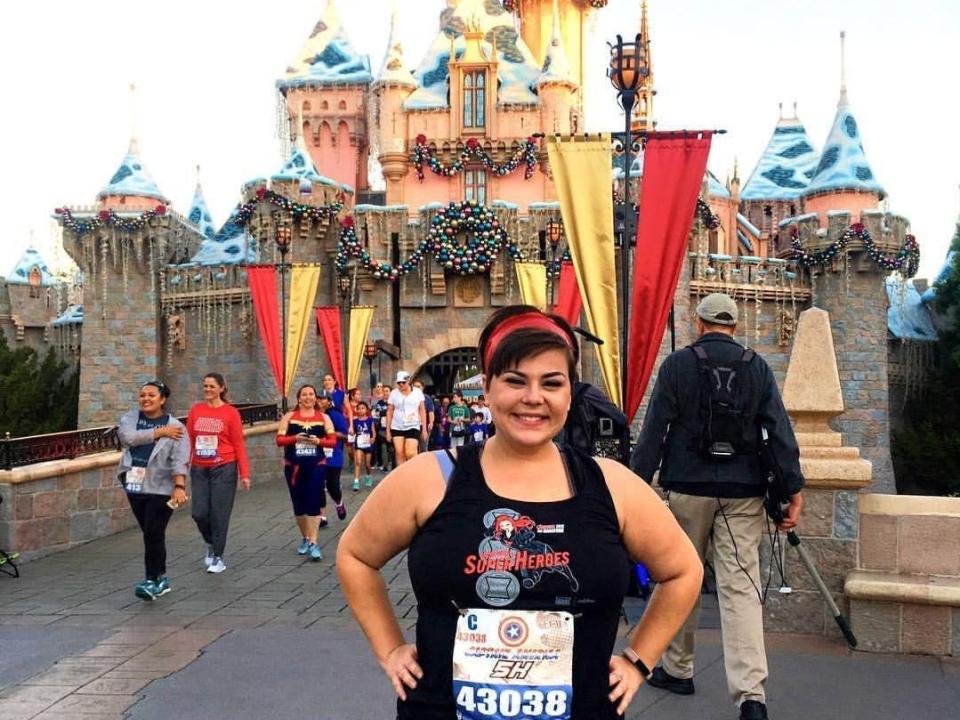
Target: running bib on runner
411 418
513 664
206 446
383 421
305 449
363 441
351 437
328 452
135 478
478 436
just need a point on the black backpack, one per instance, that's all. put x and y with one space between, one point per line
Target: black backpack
727 426
595 425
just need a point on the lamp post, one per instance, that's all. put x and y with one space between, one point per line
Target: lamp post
370 352
345 291
554 234
282 236
629 65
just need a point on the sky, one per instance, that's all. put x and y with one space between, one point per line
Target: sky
205 71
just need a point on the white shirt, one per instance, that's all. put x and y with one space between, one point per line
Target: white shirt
406 409
487 416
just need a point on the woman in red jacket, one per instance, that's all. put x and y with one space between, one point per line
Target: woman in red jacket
218 464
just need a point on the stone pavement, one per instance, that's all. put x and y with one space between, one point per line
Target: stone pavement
271 637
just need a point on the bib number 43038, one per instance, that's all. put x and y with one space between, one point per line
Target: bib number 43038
505 702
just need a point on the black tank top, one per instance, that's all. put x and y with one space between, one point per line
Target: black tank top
565 555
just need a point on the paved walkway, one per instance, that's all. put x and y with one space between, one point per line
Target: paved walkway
271 637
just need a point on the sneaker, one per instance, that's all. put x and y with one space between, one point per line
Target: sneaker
147 590
315 552
368 482
356 484
163 586
304 547
341 510
753 710
208 560
323 521
660 678
217 566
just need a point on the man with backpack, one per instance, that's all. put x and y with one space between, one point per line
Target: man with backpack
702 432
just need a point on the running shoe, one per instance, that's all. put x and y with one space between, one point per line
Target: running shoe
147 590
208 560
304 547
341 510
315 552
217 566
356 485
323 521
163 586
368 481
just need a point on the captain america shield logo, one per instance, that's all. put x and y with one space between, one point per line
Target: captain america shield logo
513 631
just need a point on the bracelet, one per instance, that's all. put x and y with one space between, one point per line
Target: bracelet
630 654
181 487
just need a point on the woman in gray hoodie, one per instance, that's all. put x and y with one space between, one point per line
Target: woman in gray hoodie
153 471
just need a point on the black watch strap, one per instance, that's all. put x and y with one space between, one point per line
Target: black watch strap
630 654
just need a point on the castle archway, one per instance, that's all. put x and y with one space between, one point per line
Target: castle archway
440 359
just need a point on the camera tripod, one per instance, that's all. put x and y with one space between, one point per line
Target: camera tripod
8 560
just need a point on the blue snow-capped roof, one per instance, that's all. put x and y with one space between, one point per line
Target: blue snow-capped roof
930 293
517 69
556 66
636 167
786 167
132 178
327 57
227 246
73 315
907 316
744 240
200 214
20 275
300 167
748 226
715 187
843 164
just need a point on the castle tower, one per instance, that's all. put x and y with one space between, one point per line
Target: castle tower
199 213
843 179
131 187
556 85
643 108
325 88
393 86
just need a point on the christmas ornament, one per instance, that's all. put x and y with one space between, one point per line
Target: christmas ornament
526 155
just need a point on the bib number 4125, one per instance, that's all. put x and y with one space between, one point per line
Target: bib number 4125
506 702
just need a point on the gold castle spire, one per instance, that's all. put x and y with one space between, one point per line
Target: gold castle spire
643 109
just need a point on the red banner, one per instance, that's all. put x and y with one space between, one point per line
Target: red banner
569 303
328 324
263 291
673 170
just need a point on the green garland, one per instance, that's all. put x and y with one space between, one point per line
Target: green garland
245 211
907 259
108 218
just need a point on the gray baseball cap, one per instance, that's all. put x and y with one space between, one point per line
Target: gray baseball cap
718 308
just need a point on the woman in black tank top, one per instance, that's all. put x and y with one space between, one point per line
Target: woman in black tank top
518 556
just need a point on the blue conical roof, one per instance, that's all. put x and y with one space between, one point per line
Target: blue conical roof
786 167
28 261
300 167
843 164
227 246
200 214
131 178
715 187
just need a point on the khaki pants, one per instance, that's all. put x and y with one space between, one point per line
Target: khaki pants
741 614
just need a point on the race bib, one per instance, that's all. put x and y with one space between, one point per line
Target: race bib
383 421
328 452
363 441
478 436
206 446
305 449
513 664
135 478
411 418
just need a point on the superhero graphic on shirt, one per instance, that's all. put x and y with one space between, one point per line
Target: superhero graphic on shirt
511 557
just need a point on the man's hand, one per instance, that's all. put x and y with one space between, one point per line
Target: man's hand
792 516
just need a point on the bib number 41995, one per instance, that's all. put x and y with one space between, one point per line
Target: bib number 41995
498 702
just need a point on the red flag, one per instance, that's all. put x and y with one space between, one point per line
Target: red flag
673 170
328 325
263 291
569 302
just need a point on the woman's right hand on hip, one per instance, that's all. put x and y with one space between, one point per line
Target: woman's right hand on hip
402 669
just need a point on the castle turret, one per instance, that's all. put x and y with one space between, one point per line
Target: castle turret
556 85
199 213
325 89
843 179
393 86
643 108
131 186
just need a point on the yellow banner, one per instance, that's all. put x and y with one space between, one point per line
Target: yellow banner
533 284
360 320
303 291
581 168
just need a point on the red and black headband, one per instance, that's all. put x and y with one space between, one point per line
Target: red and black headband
522 321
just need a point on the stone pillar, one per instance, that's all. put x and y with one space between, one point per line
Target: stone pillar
829 525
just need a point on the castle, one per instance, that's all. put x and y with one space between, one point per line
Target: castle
165 294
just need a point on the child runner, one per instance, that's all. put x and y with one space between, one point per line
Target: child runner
364 432
479 430
379 413
334 456
458 417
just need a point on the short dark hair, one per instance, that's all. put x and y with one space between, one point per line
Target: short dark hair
478 415
161 387
525 342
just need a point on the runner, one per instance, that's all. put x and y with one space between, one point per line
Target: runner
302 434
364 433
406 419
379 412
153 471
458 418
479 430
334 455
218 465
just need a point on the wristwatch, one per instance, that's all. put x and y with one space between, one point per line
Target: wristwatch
630 654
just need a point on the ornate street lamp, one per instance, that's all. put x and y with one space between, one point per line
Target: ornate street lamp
554 235
629 66
370 352
283 237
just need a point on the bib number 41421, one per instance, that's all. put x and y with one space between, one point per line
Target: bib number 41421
505 702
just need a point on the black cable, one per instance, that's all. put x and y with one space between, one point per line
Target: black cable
736 553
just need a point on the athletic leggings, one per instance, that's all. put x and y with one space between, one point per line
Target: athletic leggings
332 477
305 483
152 516
214 489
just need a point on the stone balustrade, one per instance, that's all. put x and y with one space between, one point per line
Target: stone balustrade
887 230
747 277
